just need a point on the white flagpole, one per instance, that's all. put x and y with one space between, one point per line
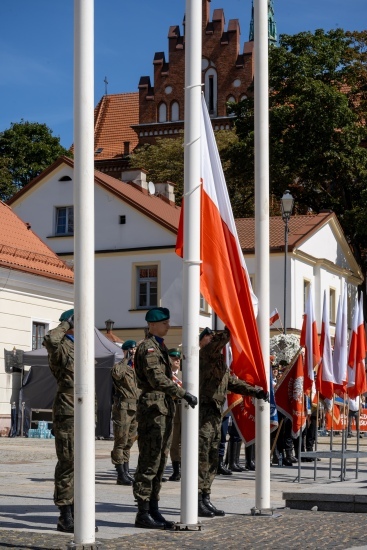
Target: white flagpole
191 266
84 402
262 488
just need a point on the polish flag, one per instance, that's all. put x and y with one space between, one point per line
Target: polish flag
340 355
325 375
310 342
224 280
274 316
357 354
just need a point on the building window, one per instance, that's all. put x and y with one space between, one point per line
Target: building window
175 111
162 113
306 290
211 90
38 334
147 286
204 306
332 305
65 220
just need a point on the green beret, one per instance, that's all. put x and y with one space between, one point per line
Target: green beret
129 344
174 352
66 315
206 332
157 314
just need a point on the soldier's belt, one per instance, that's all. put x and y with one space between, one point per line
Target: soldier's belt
153 396
67 391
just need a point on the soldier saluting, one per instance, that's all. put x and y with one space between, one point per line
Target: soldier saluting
156 409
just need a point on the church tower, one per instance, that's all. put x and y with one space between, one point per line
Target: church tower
272 26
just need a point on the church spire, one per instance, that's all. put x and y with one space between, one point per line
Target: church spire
272 26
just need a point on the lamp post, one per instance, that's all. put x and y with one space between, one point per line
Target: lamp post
109 325
287 207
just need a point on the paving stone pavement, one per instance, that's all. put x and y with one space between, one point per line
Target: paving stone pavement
28 515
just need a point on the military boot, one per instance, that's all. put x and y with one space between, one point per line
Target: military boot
128 475
287 460
250 464
222 470
157 516
66 520
210 506
237 454
122 478
176 476
144 519
232 458
203 511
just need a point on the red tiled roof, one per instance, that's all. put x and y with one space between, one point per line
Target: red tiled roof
164 213
22 250
300 228
113 118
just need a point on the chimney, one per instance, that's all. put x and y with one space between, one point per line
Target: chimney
137 176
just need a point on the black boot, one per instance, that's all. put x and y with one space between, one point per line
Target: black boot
222 470
157 516
250 464
126 468
66 520
210 506
203 511
122 478
287 460
176 476
232 457
237 452
144 519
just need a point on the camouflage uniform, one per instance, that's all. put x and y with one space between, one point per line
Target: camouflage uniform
124 410
61 361
215 380
155 413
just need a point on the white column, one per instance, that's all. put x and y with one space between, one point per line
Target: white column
262 489
84 461
191 269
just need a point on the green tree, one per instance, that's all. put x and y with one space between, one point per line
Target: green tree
26 149
317 113
165 159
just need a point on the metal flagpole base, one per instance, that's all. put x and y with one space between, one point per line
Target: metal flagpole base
187 527
262 511
89 546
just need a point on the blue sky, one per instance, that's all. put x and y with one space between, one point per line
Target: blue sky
36 47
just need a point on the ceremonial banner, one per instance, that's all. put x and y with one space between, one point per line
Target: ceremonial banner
340 355
289 396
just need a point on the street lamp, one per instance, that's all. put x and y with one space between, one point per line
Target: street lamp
287 207
109 325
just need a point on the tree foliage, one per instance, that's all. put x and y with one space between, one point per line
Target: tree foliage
165 160
317 113
26 149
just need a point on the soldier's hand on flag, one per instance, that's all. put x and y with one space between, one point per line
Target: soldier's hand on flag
191 399
262 394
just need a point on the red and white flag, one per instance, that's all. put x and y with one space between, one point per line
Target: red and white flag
325 375
289 397
224 280
340 355
357 354
309 340
274 316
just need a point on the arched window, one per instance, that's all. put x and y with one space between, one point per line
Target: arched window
162 113
231 99
175 111
211 91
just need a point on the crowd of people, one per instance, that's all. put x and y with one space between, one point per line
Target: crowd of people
148 392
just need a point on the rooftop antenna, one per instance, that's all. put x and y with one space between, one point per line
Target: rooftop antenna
105 85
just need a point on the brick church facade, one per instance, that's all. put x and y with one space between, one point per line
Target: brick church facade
157 110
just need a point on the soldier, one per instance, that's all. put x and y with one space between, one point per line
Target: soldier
214 382
175 450
155 414
125 400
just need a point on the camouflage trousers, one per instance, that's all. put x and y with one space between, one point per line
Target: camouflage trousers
209 437
154 441
63 428
124 432
175 450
